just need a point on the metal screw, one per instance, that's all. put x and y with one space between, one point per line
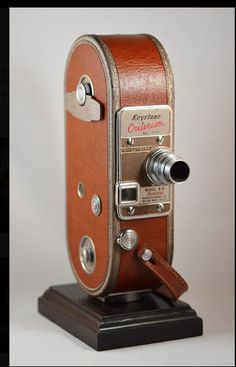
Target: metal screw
146 255
131 210
160 139
96 205
81 94
160 207
81 190
130 141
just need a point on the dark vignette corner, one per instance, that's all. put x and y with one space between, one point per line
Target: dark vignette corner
4 187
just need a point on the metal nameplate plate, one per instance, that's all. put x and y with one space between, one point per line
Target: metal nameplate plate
136 149
144 121
152 195
137 132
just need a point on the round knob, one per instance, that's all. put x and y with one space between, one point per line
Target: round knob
127 239
163 167
87 254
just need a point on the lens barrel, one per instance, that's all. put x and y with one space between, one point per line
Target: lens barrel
163 167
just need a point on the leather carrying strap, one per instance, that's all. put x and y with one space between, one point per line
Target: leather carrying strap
172 284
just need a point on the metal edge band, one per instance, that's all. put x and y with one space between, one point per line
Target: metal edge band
112 83
171 101
114 105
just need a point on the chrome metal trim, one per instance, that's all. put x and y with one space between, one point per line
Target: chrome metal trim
126 185
89 111
83 107
153 215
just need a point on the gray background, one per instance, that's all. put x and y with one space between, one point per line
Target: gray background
200 44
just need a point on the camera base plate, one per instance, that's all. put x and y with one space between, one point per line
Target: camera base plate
110 325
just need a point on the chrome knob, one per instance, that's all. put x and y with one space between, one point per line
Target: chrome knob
87 254
127 239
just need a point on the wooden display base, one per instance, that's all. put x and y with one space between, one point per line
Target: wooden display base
112 322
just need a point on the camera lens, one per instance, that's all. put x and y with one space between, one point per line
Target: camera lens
179 171
163 167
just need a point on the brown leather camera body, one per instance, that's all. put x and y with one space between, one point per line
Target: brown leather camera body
121 76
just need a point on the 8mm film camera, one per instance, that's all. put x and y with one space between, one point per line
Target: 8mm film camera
121 170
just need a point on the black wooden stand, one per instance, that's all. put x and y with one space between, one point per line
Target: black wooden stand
114 323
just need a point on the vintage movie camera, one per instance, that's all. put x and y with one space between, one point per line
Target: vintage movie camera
121 170
121 166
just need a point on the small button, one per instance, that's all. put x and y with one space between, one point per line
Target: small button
147 255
